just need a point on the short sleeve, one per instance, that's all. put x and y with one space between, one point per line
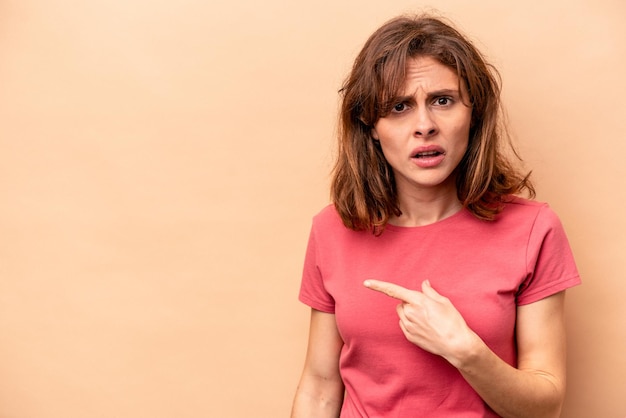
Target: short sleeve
549 260
312 290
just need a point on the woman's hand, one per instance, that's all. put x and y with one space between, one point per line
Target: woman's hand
535 389
430 321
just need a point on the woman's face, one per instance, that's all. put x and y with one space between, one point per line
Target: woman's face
426 134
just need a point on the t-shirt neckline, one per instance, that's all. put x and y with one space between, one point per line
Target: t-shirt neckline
461 213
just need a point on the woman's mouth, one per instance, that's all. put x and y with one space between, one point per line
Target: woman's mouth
427 154
428 157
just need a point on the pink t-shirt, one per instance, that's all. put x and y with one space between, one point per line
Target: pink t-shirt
485 268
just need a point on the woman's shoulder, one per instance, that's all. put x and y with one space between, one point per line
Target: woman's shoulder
518 209
328 217
523 203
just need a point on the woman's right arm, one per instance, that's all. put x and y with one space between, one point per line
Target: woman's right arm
320 391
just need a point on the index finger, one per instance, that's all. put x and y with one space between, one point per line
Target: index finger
391 289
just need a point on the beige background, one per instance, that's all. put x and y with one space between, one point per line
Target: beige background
160 163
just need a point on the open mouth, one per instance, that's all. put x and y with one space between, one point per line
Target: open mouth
427 154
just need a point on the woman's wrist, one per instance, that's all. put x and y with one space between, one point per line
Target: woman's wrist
468 353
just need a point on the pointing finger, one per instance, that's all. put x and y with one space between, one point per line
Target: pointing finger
392 290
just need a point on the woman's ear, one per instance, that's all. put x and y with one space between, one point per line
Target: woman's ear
373 132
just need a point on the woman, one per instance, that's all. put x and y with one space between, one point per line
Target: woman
436 291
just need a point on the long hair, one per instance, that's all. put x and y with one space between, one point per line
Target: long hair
363 186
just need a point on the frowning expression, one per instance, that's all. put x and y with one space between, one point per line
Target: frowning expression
426 132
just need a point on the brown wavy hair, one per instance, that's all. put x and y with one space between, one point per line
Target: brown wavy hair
363 187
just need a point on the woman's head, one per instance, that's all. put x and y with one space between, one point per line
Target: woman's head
379 70
364 189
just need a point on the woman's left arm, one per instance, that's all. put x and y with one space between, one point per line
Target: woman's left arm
536 388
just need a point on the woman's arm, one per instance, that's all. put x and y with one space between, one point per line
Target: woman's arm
534 389
320 391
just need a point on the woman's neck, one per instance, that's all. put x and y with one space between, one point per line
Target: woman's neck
425 207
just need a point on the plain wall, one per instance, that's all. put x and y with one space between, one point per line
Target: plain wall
160 163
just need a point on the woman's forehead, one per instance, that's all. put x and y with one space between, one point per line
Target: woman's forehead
421 71
428 73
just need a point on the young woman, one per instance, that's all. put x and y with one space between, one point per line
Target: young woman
436 290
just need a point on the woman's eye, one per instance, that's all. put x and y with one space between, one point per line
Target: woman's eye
400 107
443 101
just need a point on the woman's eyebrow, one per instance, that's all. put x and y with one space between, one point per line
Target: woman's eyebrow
434 93
404 98
444 92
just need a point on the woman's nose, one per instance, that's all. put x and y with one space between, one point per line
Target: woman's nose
425 125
